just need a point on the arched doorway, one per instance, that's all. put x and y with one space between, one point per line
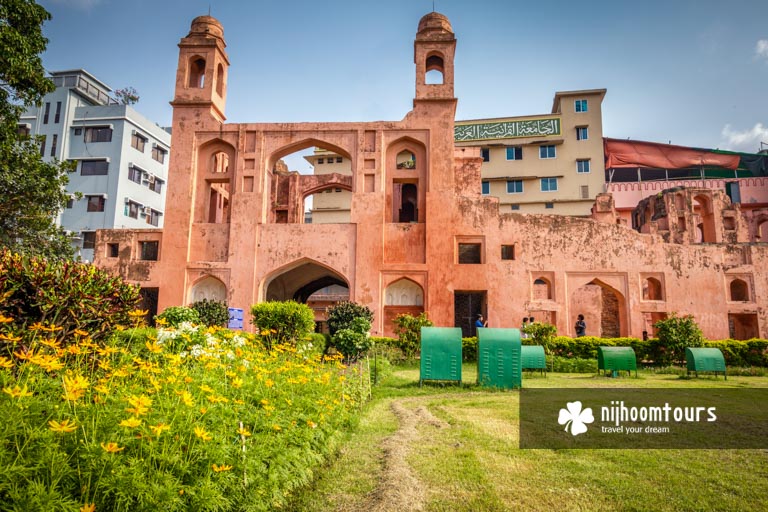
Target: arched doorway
401 297
208 288
308 282
604 309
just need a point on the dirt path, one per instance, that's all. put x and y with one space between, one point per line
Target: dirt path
399 490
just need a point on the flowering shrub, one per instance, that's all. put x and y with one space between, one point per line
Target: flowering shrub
186 419
175 315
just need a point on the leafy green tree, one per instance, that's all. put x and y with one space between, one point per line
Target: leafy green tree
32 192
355 339
408 330
283 322
675 333
341 315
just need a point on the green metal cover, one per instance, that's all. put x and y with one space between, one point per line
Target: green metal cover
616 358
704 359
533 357
440 353
498 358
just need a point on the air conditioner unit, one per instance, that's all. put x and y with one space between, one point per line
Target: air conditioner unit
151 178
147 210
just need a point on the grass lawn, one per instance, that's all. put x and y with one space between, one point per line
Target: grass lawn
455 448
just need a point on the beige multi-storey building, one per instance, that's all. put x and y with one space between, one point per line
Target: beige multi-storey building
330 206
551 163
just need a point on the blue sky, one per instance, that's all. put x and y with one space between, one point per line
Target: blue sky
693 72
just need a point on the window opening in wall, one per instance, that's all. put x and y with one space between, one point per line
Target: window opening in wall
70 203
42 145
47 113
434 70
405 160
132 209
409 211
197 73
135 174
218 203
582 133
547 152
585 191
580 105
549 206
153 217
515 153
220 163
486 188
508 252
98 134
57 117
486 154
138 141
149 250
652 289
549 184
739 291
155 184
339 159
94 167
582 166
220 80
514 186
470 253
113 250
54 142
158 154
95 203
89 239
514 206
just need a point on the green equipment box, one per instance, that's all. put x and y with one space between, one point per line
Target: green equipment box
533 358
705 360
440 354
498 358
616 359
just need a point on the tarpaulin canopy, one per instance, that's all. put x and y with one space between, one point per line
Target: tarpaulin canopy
634 153
757 164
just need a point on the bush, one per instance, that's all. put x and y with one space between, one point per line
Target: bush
211 312
315 343
62 297
283 322
572 365
388 348
174 316
341 315
354 339
408 330
675 333
469 349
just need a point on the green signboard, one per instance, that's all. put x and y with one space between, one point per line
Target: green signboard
507 129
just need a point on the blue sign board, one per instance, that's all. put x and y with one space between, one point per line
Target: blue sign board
235 318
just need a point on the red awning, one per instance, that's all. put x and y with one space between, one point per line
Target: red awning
634 153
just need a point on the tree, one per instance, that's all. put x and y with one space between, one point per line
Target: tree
127 96
341 315
32 192
675 333
408 330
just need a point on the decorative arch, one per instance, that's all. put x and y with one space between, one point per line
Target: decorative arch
207 287
299 279
702 205
603 305
406 188
220 80
435 69
196 72
652 289
305 143
542 288
739 290
404 292
215 160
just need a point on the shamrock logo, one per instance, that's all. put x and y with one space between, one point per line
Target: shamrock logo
575 418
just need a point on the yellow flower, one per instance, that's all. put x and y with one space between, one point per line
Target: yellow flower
131 422
205 388
186 397
17 392
80 332
311 424
51 343
5 319
237 382
243 432
24 355
88 507
277 428
219 469
74 350
153 347
10 337
137 313
49 363
202 434
159 428
65 426
161 321
101 388
111 447
6 363
269 383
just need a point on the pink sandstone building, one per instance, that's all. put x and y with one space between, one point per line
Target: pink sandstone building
421 236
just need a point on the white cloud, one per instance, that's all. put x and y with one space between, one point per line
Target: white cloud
761 49
85 5
746 140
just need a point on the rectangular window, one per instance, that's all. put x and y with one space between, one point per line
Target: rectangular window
134 174
98 134
57 117
53 144
507 252
548 184
24 130
138 141
338 190
549 206
486 154
585 191
42 145
580 105
582 166
78 131
547 152
113 250
514 153
158 154
149 250
470 253
89 239
153 217
70 202
94 168
156 184
321 160
47 113
95 203
514 207
514 186
339 159
132 209
486 187
582 133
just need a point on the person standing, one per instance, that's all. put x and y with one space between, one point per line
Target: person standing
581 326
524 334
480 322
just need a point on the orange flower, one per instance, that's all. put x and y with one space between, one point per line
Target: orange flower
219 469
5 319
64 427
112 447
6 363
88 507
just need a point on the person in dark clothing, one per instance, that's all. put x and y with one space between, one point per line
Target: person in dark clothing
581 326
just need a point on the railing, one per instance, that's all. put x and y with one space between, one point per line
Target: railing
86 87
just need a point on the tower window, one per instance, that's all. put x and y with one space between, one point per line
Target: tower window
434 71
197 73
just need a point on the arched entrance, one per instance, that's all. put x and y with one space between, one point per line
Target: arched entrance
308 282
604 309
401 297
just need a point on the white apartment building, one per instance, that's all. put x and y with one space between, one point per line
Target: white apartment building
122 158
